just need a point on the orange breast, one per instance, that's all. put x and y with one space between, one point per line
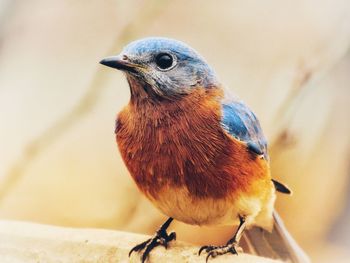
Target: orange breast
182 143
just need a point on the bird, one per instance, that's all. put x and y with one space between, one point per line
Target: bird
197 151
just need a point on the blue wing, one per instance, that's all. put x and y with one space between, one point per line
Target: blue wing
240 122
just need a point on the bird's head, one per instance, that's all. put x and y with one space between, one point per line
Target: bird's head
164 68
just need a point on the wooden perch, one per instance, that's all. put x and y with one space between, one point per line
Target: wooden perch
28 242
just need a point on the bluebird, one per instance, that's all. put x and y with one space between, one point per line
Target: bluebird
195 151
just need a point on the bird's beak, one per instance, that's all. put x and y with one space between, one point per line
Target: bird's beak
119 63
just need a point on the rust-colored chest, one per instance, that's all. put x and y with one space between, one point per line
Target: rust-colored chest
182 144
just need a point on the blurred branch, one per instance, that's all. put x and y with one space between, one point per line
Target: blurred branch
147 13
26 242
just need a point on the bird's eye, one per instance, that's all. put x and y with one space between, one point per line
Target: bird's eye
164 61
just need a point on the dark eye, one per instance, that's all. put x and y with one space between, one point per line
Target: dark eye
164 61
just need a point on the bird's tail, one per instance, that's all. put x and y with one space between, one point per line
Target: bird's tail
277 244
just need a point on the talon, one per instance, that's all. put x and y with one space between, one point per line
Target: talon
139 246
214 251
231 245
201 249
208 256
130 252
171 236
161 238
233 250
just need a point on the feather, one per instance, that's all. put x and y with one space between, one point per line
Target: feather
241 123
282 188
278 244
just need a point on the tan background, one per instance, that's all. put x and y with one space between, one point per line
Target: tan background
288 60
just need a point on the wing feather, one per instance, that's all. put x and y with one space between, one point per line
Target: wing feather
240 122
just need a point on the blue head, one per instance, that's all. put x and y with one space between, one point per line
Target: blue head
163 67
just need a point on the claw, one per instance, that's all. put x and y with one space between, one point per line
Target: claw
233 250
201 249
210 254
161 238
171 236
214 251
148 249
139 246
231 245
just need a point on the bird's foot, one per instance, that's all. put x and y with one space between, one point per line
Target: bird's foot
161 238
214 251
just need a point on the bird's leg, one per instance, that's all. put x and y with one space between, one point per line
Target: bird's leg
161 238
231 245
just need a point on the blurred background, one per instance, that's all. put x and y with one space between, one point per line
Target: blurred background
288 60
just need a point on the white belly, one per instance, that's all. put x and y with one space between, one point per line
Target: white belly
180 205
